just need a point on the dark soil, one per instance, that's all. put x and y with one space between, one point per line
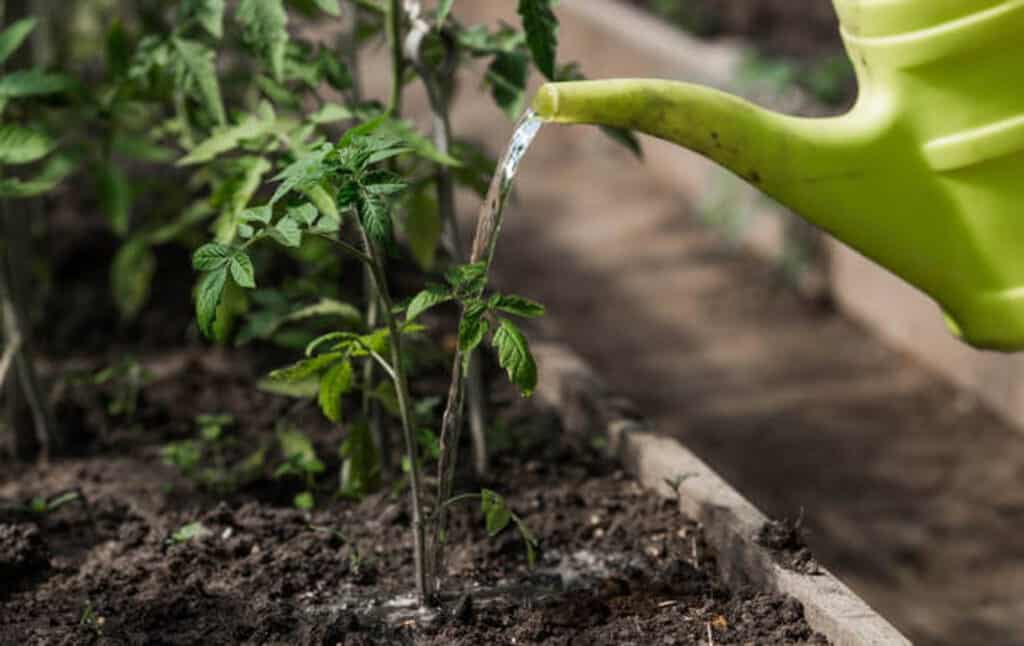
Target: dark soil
785 538
616 565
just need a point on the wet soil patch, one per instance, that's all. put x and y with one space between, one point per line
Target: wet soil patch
785 539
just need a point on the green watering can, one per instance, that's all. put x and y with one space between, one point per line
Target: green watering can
925 175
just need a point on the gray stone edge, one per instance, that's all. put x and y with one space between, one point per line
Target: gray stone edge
730 522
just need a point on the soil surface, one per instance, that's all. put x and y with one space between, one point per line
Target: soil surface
617 564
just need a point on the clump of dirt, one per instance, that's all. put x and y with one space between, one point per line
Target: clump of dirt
785 538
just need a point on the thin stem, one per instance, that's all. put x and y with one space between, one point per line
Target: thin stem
423 583
371 5
394 32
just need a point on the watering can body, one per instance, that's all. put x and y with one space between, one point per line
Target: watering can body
925 175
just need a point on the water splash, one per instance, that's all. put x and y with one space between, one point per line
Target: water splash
493 208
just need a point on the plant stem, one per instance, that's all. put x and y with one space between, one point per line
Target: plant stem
437 83
423 583
394 32
488 229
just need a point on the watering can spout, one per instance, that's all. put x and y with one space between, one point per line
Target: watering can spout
932 194
778 154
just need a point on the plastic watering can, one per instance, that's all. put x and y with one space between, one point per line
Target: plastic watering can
925 175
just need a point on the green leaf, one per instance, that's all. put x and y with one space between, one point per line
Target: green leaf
541 27
304 501
226 139
185 533
211 289
131 275
473 327
242 270
329 7
515 357
34 82
211 256
336 382
287 232
305 369
517 305
21 145
422 146
305 214
115 195
265 23
198 71
12 37
360 469
444 7
261 214
507 77
331 113
376 219
468 280
430 297
298 449
49 178
423 228
326 307
496 513
306 171
208 13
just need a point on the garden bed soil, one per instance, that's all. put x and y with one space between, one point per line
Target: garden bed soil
618 564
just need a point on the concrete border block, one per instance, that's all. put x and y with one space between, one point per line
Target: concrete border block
730 522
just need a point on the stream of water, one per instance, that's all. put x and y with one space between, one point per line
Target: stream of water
492 211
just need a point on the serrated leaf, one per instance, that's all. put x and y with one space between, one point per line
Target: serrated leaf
211 256
21 145
305 214
416 142
12 37
242 271
496 513
430 297
265 23
541 28
304 172
336 382
208 297
131 275
473 327
305 369
208 13
198 70
34 82
515 357
226 139
376 219
517 305
468 280
286 232
261 214
321 199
